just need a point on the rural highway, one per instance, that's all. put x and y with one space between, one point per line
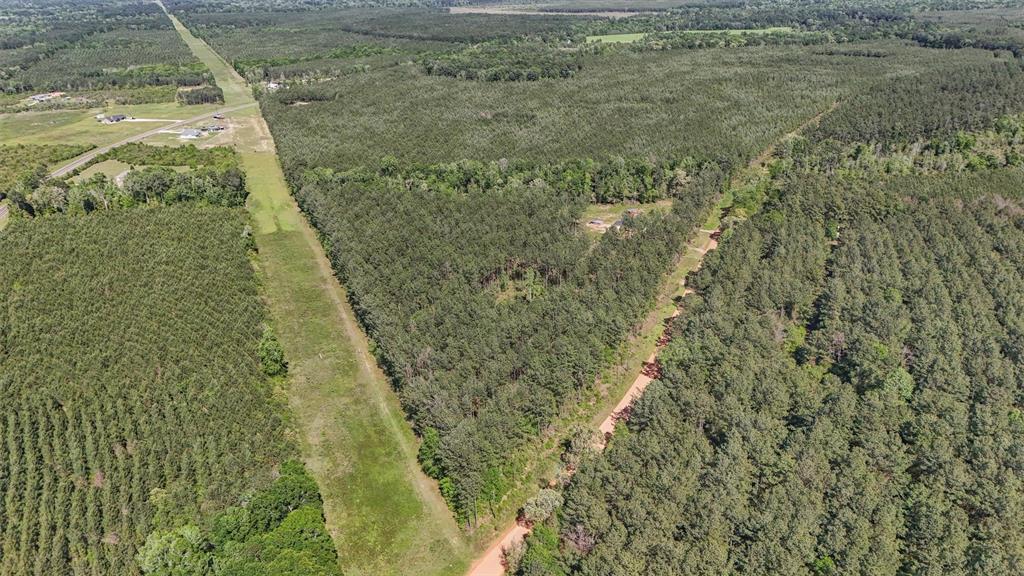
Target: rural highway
84 159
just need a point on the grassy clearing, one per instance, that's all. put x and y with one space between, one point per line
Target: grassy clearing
617 38
354 437
112 168
81 127
109 168
609 213
236 91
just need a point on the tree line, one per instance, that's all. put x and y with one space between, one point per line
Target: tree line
489 307
839 397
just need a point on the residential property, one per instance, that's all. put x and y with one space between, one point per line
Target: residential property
112 119
45 97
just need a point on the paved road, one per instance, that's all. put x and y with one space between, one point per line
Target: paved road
84 159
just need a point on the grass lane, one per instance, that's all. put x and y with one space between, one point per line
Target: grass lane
236 91
385 515
352 430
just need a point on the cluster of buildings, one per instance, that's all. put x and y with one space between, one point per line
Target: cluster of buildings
194 133
45 97
599 224
112 119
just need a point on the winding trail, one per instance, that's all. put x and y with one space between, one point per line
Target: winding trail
490 562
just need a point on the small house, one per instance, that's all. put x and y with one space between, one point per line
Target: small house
271 86
114 118
190 134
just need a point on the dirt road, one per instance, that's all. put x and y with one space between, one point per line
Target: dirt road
84 159
490 563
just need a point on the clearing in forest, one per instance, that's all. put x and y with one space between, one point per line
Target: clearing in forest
617 38
383 513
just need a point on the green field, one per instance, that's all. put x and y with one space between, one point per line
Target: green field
112 168
236 91
617 38
81 127
109 168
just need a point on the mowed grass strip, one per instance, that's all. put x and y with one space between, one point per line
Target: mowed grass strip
617 38
354 438
236 91
385 516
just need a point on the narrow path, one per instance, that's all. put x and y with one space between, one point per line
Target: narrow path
490 562
385 516
82 160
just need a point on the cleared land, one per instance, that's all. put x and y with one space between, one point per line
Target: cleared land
88 156
617 38
384 515
81 127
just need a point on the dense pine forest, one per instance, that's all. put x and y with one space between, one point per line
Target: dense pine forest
510 197
460 246
842 394
154 412
93 45
490 305
841 397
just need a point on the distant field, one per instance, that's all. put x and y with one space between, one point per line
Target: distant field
109 168
81 127
112 169
616 38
